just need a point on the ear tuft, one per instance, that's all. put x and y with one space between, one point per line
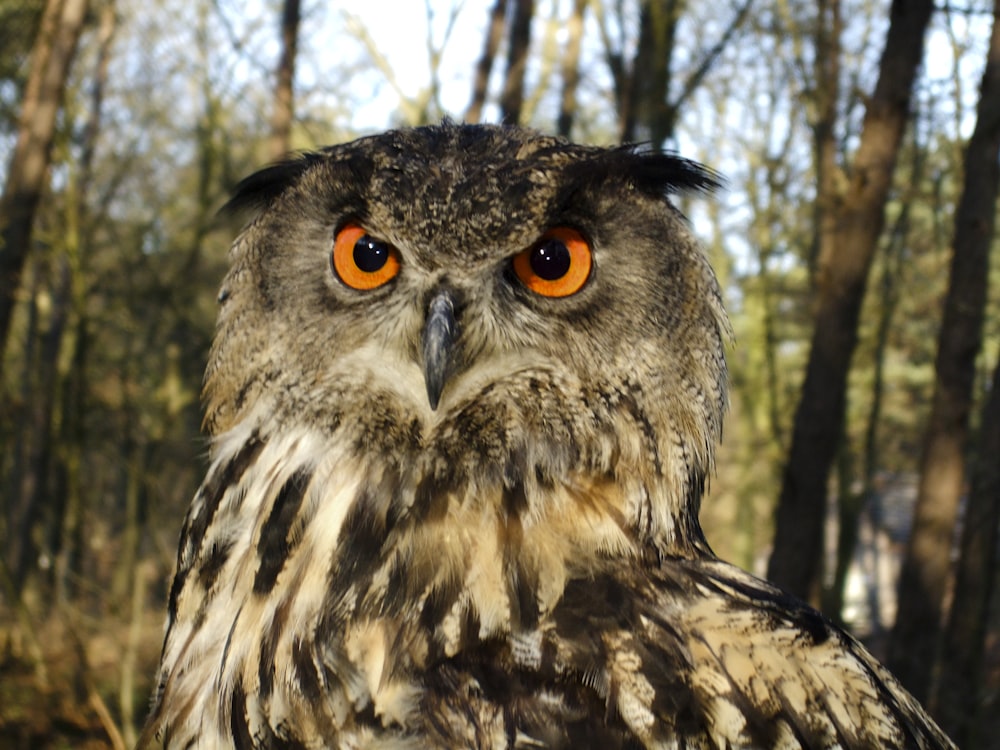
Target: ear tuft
654 173
257 191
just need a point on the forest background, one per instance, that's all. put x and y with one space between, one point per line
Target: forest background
859 140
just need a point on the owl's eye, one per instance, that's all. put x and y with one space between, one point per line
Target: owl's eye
361 261
558 265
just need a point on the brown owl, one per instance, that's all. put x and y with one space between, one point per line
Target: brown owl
463 399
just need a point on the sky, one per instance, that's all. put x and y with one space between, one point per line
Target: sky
399 30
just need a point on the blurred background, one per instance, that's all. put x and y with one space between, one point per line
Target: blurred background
859 140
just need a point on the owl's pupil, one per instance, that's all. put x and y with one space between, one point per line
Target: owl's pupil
550 260
370 255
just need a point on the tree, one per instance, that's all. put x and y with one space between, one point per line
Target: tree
645 93
512 97
647 108
280 139
849 233
481 80
18 27
959 693
51 58
571 69
927 563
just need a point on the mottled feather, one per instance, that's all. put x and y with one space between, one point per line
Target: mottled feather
521 566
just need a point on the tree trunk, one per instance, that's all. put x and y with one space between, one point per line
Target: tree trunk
646 110
53 52
959 688
67 533
852 505
35 492
829 29
643 101
18 490
571 69
826 69
512 98
280 140
842 273
924 576
481 82
68 547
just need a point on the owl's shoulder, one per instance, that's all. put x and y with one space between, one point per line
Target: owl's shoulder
692 653
756 667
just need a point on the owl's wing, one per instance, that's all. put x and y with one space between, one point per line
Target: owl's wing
702 654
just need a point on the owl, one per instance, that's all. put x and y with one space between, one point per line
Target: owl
463 399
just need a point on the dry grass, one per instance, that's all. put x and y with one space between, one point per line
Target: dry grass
73 699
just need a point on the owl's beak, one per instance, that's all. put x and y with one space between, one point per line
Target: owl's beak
439 340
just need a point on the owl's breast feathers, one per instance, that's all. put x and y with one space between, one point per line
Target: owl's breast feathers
325 601
453 501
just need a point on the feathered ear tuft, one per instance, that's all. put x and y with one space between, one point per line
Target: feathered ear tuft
664 173
258 190
653 173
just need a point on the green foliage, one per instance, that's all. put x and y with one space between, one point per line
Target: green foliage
19 20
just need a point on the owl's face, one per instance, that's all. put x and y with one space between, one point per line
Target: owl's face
484 300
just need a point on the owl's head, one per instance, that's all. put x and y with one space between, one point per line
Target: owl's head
491 305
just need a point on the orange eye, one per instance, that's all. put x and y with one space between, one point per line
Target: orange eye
558 265
361 261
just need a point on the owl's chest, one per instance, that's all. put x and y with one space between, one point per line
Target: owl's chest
319 592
